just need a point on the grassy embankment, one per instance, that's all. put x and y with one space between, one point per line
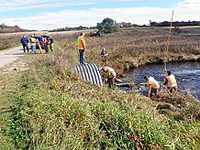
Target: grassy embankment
9 40
52 108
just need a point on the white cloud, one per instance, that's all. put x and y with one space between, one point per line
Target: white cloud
11 3
90 17
51 5
139 15
28 4
188 4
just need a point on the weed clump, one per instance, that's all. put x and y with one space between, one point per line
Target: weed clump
182 107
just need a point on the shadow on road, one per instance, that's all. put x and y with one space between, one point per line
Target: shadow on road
15 54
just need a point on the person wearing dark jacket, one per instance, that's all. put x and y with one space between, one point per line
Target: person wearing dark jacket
104 55
51 43
25 42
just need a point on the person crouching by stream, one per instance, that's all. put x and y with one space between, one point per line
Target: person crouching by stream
111 75
170 81
153 86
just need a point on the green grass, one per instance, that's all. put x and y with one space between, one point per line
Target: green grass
48 119
5 110
52 108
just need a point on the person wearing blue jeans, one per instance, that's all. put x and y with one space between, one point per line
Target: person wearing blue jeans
25 42
81 48
33 48
33 44
82 56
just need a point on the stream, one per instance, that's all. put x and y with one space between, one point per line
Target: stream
187 75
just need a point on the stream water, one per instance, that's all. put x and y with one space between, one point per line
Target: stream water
187 76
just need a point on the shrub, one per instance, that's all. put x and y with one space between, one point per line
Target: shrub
108 25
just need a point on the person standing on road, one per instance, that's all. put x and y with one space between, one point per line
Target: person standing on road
170 81
51 43
39 46
82 48
153 86
45 44
25 42
33 44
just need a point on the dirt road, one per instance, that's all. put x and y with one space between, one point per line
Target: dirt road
10 55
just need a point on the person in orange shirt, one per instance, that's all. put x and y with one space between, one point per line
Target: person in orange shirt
153 86
82 48
45 44
111 75
170 81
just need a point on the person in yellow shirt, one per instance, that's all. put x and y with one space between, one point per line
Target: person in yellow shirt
153 86
33 44
170 81
82 48
111 75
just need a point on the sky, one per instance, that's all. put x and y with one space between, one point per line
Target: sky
53 14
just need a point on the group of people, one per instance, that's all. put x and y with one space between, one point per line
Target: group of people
152 84
110 73
37 42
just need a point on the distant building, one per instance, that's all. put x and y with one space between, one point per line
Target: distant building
124 24
83 28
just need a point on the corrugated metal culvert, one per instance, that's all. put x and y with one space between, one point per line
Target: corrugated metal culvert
90 72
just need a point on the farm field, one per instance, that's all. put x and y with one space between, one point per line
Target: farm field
50 107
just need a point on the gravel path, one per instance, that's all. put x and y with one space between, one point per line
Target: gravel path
10 55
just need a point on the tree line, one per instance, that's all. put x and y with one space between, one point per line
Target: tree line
176 23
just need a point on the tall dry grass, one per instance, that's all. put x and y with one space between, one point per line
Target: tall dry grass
139 47
136 47
8 41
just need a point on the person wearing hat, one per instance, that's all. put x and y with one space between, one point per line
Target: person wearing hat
111 75
170 81
153 86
